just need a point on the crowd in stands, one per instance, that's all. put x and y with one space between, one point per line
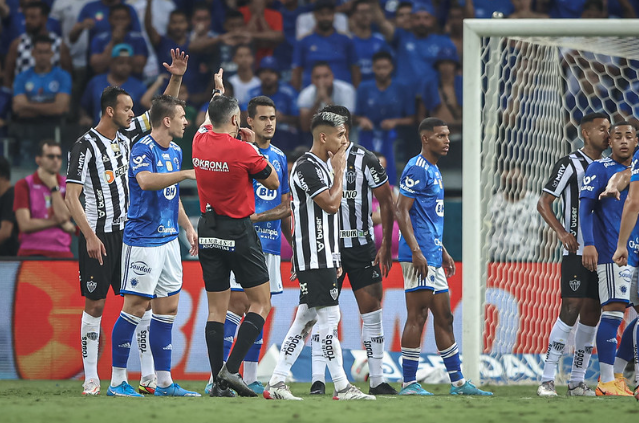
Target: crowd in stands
391 62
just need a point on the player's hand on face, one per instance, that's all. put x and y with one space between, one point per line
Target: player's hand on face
338 160
96 249
191 236
448 264
247 135
420 264
569 242
621 256
385 260
590 257
179 62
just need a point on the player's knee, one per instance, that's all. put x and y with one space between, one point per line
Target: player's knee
570 309
94 308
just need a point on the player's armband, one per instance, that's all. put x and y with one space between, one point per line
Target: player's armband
263 174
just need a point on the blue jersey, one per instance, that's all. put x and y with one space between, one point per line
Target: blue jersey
336 49
42 87
267 199
633 241
607 212
99 12
422 182
365 49
153 215
134 39
416 56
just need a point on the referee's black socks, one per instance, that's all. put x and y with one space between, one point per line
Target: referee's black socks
215 344
247 334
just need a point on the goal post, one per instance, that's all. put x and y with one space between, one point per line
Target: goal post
526 83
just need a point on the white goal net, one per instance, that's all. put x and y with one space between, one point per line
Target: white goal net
526 86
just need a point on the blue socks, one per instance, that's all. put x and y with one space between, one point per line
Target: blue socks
453 365
607 343
160 340
410 362
230 329
121 338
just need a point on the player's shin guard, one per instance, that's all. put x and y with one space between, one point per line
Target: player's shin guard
584 344
293 343
328 320
147 368
230 329
251 360
318 363
373 340
607 343
90 338
450 356
214 333
410 362
162 347
556 344
625 351
246 336
121 338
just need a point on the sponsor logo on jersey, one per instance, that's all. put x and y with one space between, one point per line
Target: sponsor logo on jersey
166 230
139 159
626 275
166 156
170 192
110 176
81 163
375 175
349 194
160 163
264 193
301 180
210 165
267 232
319 234
439 208
352 233
407 184
140 268
560 174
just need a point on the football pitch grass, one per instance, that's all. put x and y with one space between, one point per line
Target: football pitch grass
61 401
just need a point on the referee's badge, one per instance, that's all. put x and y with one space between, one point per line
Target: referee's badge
350 177
574 284
334 293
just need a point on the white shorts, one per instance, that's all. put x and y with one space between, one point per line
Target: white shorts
435 281
152 271
614 283
274 273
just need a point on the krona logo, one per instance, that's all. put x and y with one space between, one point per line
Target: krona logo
210 165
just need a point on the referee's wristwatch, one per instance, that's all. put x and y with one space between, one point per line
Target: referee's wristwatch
55 189
217 91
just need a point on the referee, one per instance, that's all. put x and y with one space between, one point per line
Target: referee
224 169
98 165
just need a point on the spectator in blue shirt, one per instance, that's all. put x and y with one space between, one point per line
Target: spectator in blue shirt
402 15
94 18
325 44
442 96
120 19
285 98
290 10
120 76
383 104
366 42
43 90
14 22
417 50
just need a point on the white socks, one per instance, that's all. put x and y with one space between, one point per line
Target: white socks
373 340
556 344
584 343
318 364
328 320
250 372
90 337
147 370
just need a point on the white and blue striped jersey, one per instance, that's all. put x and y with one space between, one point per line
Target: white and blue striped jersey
422 182
265 199
153 215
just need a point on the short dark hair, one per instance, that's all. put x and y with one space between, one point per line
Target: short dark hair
357 3
342 111
221 109
44 8
5 168
41 39
382 55
178 12
109 97
321 63
163 106
48 143
622 123
242 46
327 119
120 6
261 100
404 4
590 117
430 123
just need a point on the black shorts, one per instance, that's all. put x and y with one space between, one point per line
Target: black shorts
318 287
232 245
95 280
357 263
576 280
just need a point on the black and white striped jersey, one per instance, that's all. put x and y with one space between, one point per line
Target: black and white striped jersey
315 231
363 173
101 166
565 181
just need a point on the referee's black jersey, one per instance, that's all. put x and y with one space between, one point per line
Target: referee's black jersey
363 173
101 166
315 231
565 181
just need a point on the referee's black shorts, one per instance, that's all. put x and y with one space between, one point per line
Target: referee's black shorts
576 280
232 245
95 280
357 263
